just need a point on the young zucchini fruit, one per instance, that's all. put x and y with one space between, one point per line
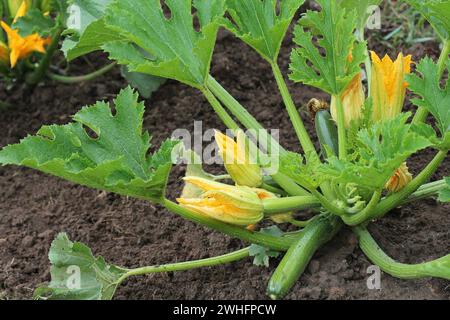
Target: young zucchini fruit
318 232
327 132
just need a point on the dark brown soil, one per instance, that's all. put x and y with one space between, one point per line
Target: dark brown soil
34 207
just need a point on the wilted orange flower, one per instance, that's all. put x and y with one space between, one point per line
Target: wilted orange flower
389 85
399 180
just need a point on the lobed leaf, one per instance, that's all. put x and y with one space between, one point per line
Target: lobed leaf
115 159
161 46
382 148
434 98
144 83
35 22
261 255
257 23
329 56
437 13
77 275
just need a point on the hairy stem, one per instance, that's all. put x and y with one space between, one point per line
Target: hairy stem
39 73
422 113
183 266
342 134
237 110
83 78
296 120
439 268
282 205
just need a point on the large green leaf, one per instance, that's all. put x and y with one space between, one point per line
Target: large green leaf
116 159
329 56
382 149
87 31
362 8
173 48
35 22
437 12
77 275
434 98
259 25
146 84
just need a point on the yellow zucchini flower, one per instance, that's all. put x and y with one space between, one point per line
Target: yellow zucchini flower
399 180
21 47
238 160
388 85
237 205
22 10
352 99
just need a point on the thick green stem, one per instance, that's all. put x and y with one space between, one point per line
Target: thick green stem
189 265
39 73
397 198
237 110
426 191
220 111
342 133
299 127
365 214
289 185
327 204
282 205
422 113
83 78
275 243
439 268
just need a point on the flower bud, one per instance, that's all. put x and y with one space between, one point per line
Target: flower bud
238 205
388 85
238 160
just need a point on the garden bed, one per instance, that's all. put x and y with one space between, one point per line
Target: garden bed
34 207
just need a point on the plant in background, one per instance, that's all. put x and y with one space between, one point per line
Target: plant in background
359 176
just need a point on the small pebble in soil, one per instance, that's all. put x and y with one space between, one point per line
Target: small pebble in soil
314 266
28 241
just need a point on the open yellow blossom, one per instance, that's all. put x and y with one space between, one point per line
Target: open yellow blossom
388 85
399 180
21 47
23 9
352 101
238 160
238 205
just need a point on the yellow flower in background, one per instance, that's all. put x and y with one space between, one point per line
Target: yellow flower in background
22 10
238 160
388 85
237 205
21 47
399 180
352 101
4 53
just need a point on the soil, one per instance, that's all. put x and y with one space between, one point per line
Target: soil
34 207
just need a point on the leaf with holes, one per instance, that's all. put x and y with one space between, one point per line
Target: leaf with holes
257 23
116 160
172 47
332 60
77 275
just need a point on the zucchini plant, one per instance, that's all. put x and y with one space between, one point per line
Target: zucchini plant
366 139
